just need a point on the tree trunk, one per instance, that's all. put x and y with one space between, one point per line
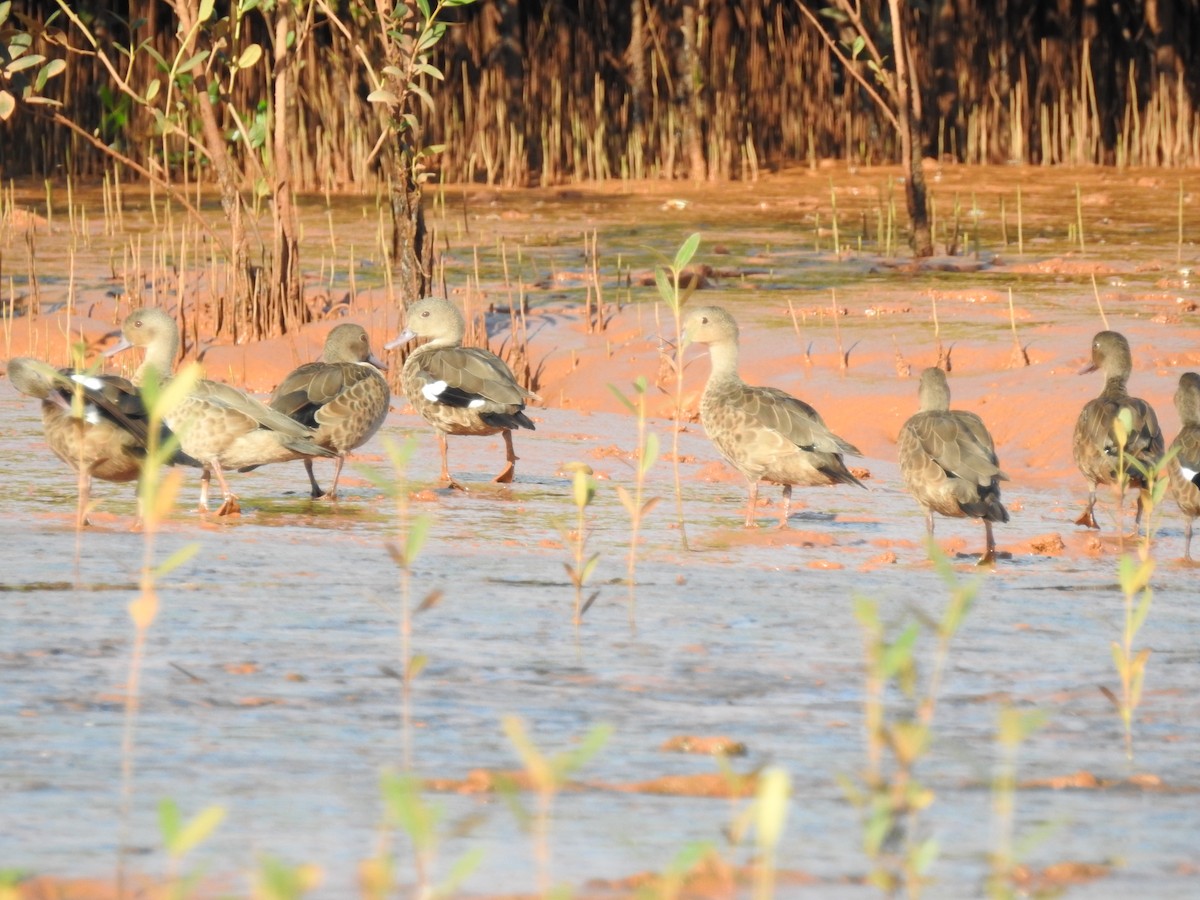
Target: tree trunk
687 80
911 140
286 310
234 310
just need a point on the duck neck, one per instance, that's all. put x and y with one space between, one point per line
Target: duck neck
724 357
1114 385
160 358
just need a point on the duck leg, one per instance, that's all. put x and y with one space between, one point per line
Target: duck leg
85 495
510 456
989 553
446 479
1187 541
752 505
312 479
337 473
787 506
230 506
205 479
929 522
1088 519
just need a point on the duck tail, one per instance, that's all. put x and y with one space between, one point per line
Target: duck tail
511 421
988 507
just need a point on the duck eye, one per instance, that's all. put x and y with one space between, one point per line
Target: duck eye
704 320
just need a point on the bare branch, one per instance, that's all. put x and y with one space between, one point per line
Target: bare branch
849 66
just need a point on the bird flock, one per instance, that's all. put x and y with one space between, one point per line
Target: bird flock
100 425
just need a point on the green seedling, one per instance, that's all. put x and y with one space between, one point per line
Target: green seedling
668 278
637 507
276 880
1014 728
888 793
180 838
581 566
548 776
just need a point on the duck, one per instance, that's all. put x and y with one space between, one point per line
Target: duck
218 425
948 461
763 432
97 424
343 398
1183 470
460 390
1097 451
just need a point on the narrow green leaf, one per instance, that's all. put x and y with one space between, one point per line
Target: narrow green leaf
192 63
626 500
206 10
665 289
649 452
925 855
203 824
8 105
687 251
175 560
616 391
418 531
899 653
771 806
170 821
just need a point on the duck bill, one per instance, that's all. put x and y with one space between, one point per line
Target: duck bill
120 346
377 362
1090 367
404 337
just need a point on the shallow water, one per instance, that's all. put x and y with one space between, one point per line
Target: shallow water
284 622
269 685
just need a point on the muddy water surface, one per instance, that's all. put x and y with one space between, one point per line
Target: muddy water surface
270 688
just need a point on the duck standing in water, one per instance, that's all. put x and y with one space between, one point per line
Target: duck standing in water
1097 450
948 462
1184 467
218 425
764 433
457 389
342 397
96 424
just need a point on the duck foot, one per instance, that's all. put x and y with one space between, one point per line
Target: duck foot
451 484
230 507
506 476
1088 520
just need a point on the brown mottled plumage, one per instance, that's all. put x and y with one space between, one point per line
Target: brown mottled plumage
1097 452
949 463
343 397
96 424
457 389
764 433
218 425
1184 467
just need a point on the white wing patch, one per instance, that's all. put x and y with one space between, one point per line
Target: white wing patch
1189 474
475 404
433 391
92 415
88 381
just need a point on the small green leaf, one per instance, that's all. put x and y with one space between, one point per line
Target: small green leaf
8 105
418 531
195 832
206 11
175 560
687 251
649 452
616 391
857 48
250 56
771 806
152 90
899 653
192 63
169 821
381 95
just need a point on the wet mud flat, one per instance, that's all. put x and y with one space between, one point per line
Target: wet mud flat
270 686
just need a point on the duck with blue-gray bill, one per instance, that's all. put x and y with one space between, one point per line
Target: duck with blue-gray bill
97 424
343 398
1097 444
948 462
763 432
459 390
220 426
1184 466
